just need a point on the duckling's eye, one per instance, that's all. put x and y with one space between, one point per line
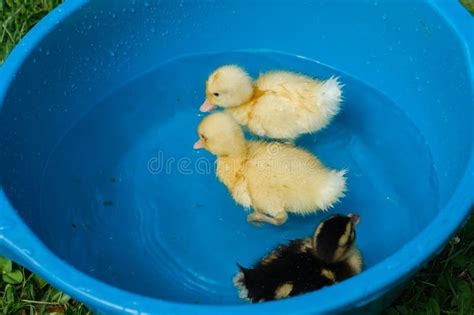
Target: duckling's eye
203 137
216 94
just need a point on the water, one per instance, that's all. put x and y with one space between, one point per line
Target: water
142 210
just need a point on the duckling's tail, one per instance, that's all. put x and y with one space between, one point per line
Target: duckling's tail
244 271
239 282
331 189
241 267
330 96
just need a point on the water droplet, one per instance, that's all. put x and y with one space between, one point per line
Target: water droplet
146 4
384 17
48 52
132 10
112 54
152 30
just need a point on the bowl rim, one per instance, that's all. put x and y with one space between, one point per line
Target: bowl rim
20 242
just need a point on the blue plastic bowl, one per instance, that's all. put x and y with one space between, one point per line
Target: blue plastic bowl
104 197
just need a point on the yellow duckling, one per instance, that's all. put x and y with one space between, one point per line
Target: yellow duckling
272 178
279 105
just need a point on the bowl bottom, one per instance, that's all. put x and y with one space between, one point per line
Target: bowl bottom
138 208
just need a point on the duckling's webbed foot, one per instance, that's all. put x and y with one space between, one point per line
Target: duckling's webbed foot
254 222
280 218
256 217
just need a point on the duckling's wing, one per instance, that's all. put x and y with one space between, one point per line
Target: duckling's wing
313 280
260 282
302 270
273 80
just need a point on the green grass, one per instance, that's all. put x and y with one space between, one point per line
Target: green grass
17 17
25 293
469 5
445 286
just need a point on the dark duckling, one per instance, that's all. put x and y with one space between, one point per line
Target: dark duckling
304 265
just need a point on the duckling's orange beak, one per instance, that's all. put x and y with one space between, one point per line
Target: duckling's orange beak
355 218
199 144
207 106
